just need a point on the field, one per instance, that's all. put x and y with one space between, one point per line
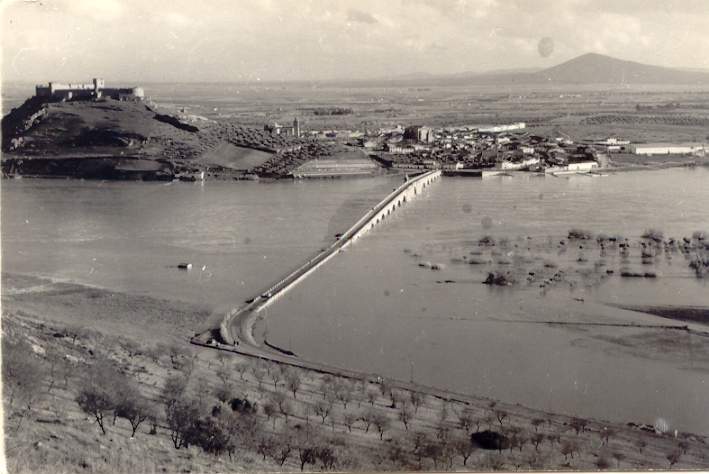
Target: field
649 113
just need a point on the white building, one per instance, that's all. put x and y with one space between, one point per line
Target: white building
503 128
666 148
582 166
578 167
526 163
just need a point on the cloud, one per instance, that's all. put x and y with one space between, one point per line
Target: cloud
183 40
358 16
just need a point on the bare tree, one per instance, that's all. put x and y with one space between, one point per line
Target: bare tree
259 375
464 447
537 439
396 454
182 417
500 415
130 404
465 419
241 369
293 381
418 441
444 412
568 448
270 409
405 414
368 417
382 423
279 400
349 419
22 376
307 410
307 455
174 388
434 451
394 397
578 424
536 423
102 390
443 431
283 449
344 393
371 396
606 434
322 409
276 376
96 401
266 446
416 399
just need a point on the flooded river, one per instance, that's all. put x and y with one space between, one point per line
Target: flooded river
374 308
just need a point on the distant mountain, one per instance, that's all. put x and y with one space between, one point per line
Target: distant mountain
590 68
595 68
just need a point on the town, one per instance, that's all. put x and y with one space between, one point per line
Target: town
483 151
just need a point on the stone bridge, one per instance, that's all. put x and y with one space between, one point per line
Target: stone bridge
237 326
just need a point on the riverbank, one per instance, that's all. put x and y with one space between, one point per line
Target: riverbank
43 313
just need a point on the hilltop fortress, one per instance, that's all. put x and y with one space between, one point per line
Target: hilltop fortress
96 89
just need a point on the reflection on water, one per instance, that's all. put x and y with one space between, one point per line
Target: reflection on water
375 308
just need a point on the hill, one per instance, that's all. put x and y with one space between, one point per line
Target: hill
595 68
110 139
587 69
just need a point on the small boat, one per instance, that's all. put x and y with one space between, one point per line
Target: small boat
184 266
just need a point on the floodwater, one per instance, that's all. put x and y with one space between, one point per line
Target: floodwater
130 236
373 308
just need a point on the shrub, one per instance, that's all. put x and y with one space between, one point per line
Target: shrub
653 234
579 234
490 440
486 241
243 406
499 279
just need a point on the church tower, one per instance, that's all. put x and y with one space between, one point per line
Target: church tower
296 127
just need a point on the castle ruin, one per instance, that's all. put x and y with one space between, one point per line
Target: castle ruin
91 91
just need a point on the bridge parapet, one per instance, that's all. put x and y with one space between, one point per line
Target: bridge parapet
411 188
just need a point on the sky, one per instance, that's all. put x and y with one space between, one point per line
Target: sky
281 40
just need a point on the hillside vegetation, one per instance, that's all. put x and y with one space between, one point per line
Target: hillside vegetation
111 139
121 398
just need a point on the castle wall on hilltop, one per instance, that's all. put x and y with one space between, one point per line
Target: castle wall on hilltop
93 90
